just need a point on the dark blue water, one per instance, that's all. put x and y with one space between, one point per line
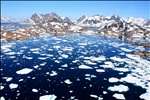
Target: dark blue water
93 46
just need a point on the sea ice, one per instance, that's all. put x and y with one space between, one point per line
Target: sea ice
122 69
1 87
9 79
101 58
34 90
85 67
126 50
2 98
67 81
119 88
113 80
13 86
48 97
53 73
145 96
100 70
117 59
24 71
65 65
119 96
94 96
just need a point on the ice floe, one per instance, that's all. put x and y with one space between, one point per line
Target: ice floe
119 96
65 65
1 87
101 58
113 80
145 96
48 97
100 70
24 71
13 86
53 73
85 67
9 79
119 88
67 81
122 69
34 90
94 96
2 98
117 59
126 50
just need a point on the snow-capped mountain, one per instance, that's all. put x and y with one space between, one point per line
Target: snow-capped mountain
138 21
8 19
46 18
97 20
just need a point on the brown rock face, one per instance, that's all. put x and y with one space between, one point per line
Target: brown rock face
143 54
141 44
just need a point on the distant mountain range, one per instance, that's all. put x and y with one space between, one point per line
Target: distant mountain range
96 20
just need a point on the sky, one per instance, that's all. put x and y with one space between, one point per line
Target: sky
76 9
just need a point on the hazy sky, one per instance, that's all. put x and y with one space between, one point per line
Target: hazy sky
75 9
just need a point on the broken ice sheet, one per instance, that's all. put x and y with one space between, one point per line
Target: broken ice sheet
119 88
84 67
119 96
48 97
13 86
53 73
24 71
67 81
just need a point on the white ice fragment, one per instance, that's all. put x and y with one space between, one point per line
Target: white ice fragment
85 67
65 65
53 73
29 58
48 97
34 90
113 80
89 62
43 64
119 88
13 86
126 50
24 71
122 69
64 56
100 70
1 87
42 58
117 59
130 79
145 96
2 98
94 96
67 81
9 79
119 96
36 66
101 58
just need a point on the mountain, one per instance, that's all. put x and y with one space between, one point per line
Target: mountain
47 18
138 21
8 19
97 20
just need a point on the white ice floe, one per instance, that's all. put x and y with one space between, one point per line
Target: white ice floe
34 90
113 80
65 65
67 81
9 79
145 96
101 58
1 87
42 58
119 88
53 73
2 98
75 61
100 70
35 49
135 57
89 62
64 56
130 79
122 69
29 58
43 64
119 96
94 96
36 66
13 86
117 59
48 97
82 44
24 71
126 50
67 49
108 64
85 67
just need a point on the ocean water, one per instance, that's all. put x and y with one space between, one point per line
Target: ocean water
73 67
